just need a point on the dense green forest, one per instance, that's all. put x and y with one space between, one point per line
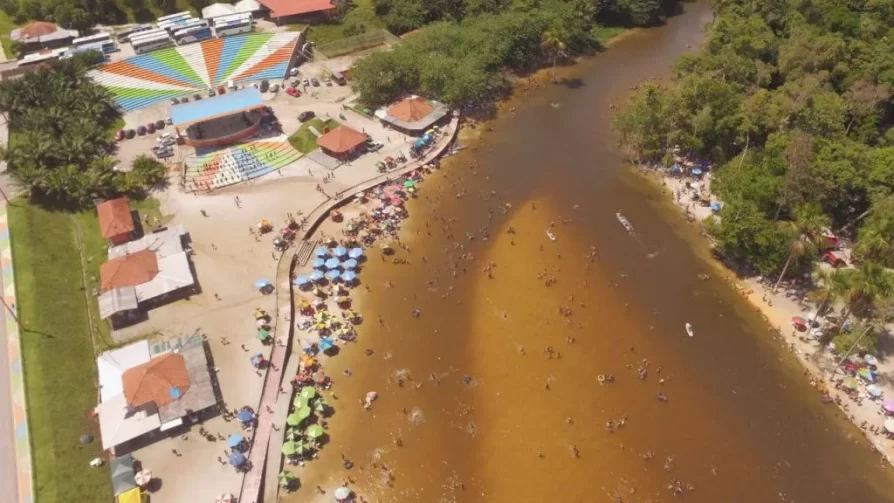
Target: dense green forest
791 102
462 54
83 14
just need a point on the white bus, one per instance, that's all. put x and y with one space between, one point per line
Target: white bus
159 41
179 15
233 17
124 35
43 56
194 34
136 37
92 39
233 27
179 24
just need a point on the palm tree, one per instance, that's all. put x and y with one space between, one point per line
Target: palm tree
831 286
806 229
553 44
867 287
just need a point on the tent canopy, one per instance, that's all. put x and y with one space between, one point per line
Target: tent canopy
122 474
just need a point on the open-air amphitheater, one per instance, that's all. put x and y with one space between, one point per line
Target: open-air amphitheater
147 79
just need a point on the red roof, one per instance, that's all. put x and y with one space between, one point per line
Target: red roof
114 217
154 381
411 109
283 8
129 270
37 29
341 140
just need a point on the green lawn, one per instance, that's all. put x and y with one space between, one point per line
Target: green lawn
360 18
603 34
6 26
304 140
57 347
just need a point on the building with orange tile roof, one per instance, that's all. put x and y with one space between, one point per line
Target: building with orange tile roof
115 220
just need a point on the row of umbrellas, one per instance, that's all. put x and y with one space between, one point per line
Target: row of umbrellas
339 251
333 263
318 275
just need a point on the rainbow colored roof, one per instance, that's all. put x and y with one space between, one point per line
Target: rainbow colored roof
146 79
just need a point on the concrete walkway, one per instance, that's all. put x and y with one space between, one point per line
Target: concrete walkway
15 451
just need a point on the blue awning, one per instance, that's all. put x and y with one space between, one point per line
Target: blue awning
230 103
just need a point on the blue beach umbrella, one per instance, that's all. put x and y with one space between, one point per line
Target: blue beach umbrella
676 168
874 391
316 275
237 459
697 171
261 283
355 253
321 251
318 263
716 206
341 251
349 264
234 440
302 280
349 276
332 263
333 274
325 344
245 416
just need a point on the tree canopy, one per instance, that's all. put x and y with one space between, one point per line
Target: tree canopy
60 127
790 100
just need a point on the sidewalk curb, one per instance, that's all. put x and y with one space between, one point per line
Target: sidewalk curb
16 378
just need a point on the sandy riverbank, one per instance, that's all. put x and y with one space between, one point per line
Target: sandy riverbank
777 310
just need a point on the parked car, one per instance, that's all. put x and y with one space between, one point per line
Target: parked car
175 101
150 128
141 130
184 99
212 93
196 97
169 121
221 89
293 72
274 88
119 135
305 82
130 133
339 78
159 124
296 82
374 146
306 115
265 85
315 82
291 91
328 82
165 153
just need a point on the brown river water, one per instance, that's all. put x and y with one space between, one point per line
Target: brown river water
474 420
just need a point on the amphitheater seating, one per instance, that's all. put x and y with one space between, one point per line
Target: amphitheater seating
238 164
146 79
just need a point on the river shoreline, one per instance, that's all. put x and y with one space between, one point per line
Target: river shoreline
777 310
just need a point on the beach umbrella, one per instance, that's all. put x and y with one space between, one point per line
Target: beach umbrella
293 434
143 477
697 172
262 283
349 264
333 275
874 391
799 322
349 276
870 360
332 263
300 401
867 374
293 420
889 407
321 251
289 448
325 344
355 253
245 416
257 358
263 335
676 168
889 425
234 440
301 280
341 251
237 459
303 413
396 201
314 431
318 263
316 275
342 493
286 478
716 206
850 383
409 184
309 392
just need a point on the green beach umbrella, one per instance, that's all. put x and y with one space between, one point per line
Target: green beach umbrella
303 413
320 405
293 434
300 402
289 448
850 383
314 431
309 392
286 478
409 184
263 334
293 420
